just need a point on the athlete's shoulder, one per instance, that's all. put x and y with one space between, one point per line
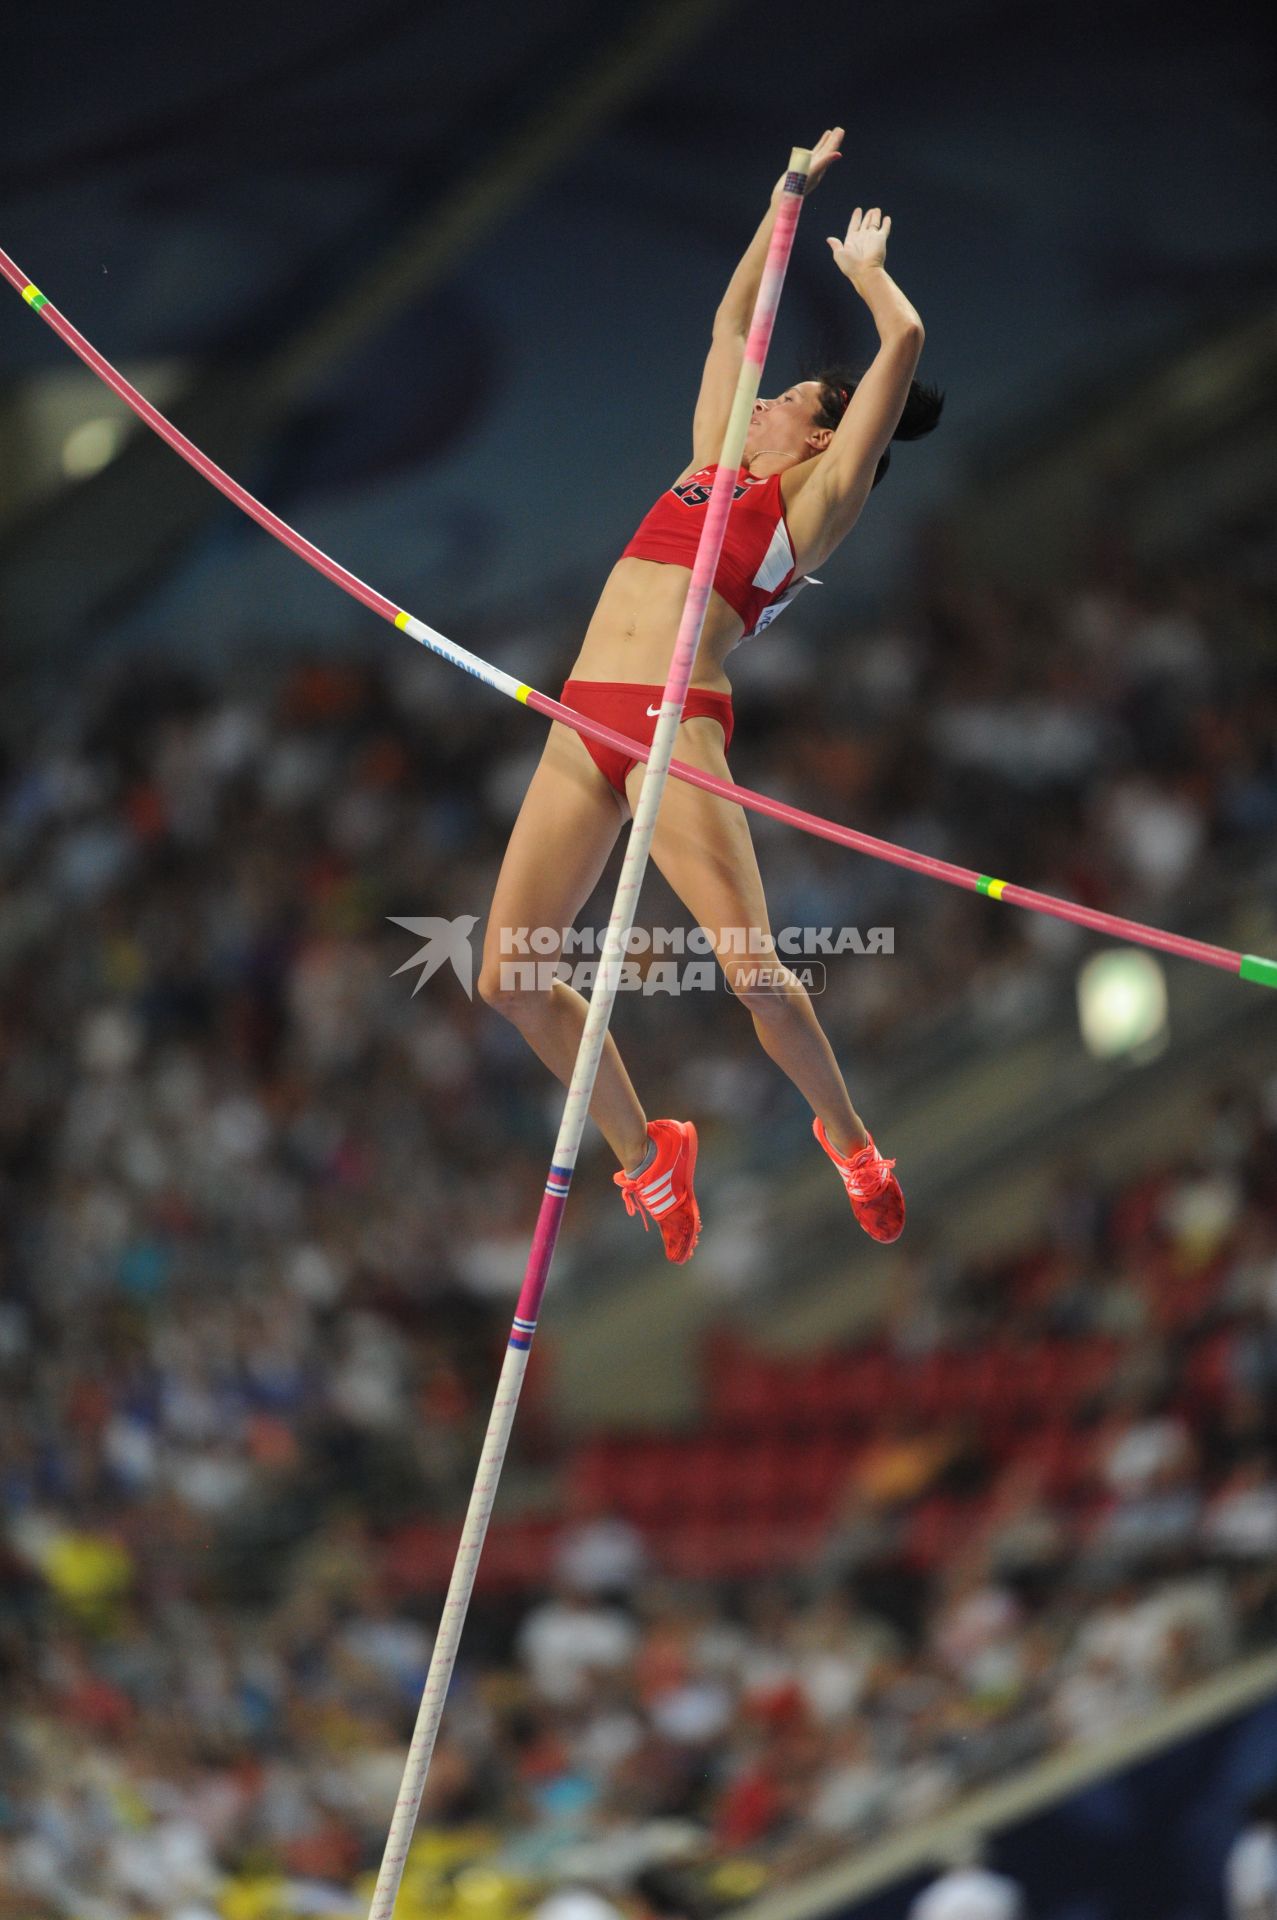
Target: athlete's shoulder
794 479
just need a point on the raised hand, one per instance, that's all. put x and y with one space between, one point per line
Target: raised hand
865 244
823 155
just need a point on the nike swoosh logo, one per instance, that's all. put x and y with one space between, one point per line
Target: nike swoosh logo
653 713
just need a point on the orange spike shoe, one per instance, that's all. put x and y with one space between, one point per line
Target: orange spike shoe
872 1188
663 1192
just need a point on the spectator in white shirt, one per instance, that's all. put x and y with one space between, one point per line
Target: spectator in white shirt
568 1637
1241 1521
969 1891
1250 1871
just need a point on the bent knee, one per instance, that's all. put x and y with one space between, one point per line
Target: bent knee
764 984
506 988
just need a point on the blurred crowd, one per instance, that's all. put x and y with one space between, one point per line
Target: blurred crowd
262 1211
195 1731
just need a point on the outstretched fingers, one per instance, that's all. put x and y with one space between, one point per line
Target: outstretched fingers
823 156
865 239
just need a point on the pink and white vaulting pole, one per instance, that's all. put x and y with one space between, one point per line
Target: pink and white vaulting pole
581 1088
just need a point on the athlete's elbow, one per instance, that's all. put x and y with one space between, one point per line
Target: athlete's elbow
730 323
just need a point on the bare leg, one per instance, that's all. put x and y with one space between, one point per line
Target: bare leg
703 848
567 827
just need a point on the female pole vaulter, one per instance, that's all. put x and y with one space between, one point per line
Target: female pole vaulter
811 457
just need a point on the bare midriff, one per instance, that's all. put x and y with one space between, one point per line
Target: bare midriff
635 624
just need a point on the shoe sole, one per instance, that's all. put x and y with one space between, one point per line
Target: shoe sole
693 1147
882 1239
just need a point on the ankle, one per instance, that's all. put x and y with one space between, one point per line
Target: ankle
638 1161
847 1141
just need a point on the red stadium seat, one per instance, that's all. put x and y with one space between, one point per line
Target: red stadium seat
934 1531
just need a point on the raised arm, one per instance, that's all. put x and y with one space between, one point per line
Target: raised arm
735 309
829 503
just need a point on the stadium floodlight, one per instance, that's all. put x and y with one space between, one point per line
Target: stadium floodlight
90 447
1121 1003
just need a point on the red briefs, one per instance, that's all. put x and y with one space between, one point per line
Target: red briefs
635 710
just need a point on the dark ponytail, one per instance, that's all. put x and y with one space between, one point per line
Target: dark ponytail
922 409
921 416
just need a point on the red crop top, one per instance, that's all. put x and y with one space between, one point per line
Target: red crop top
756 567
